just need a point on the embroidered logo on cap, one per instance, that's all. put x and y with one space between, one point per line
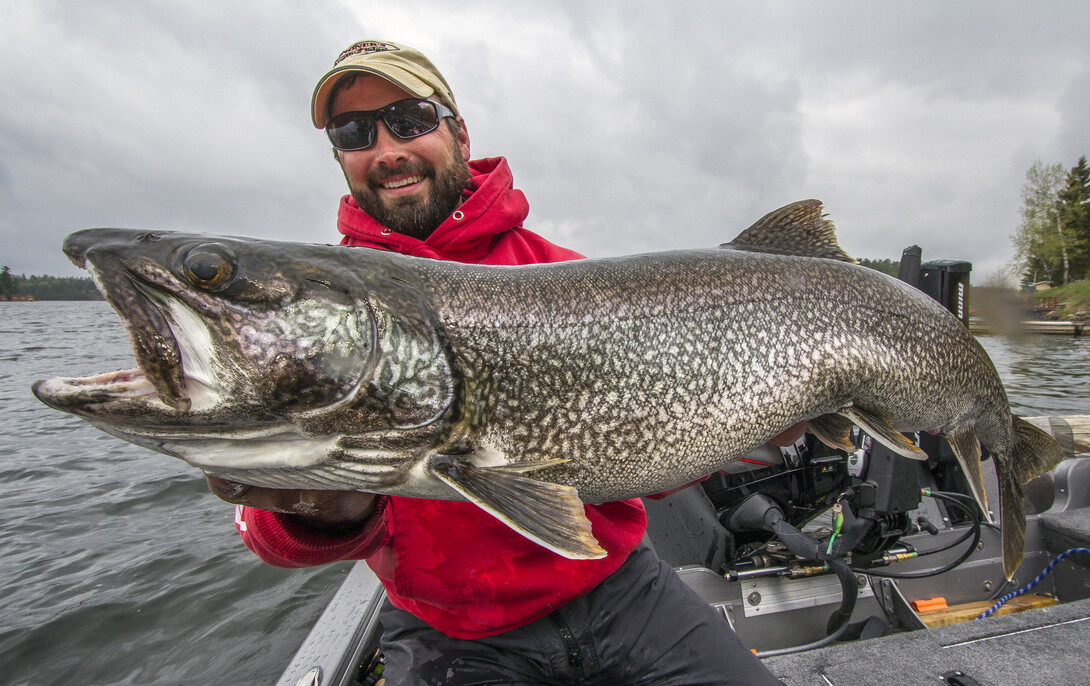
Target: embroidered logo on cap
366 47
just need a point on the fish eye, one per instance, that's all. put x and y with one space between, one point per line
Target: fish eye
210 266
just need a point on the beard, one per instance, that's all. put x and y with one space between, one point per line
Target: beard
412 216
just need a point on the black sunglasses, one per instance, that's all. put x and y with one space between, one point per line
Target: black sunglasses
404 118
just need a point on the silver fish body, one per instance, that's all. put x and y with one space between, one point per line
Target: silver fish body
531 390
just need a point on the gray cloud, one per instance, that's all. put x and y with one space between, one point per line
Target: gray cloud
631 126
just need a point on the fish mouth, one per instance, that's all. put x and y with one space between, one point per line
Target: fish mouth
164 349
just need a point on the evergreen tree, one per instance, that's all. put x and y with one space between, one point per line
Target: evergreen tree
1075 216
7 282
1053 240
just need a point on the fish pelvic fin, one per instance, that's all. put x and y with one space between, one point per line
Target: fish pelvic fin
966 448
833 430
1012 523
796 229
548 514
881 431
1033 451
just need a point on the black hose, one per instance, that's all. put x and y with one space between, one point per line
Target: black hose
971 510
810 549
838 621
850 587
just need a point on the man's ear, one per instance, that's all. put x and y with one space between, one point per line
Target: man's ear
463 138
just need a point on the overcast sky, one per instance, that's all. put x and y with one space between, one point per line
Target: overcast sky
631 126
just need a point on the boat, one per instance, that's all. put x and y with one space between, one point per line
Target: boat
913 591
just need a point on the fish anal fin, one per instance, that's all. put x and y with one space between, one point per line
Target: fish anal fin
881 431
796 229
966 448
548 514
833 430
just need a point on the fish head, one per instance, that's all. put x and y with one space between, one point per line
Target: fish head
241 339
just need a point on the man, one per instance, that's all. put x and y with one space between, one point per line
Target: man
469 600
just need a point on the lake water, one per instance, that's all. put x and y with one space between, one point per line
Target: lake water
118 566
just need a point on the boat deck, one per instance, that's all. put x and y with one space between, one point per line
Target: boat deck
1050 644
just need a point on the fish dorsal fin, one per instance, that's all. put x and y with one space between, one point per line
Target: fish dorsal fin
796 229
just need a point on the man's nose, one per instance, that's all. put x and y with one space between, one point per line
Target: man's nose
388 147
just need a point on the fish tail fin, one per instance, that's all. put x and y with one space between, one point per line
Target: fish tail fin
1012 523
1033 452
966 448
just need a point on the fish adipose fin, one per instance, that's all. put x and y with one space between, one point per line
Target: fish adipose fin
548 514
796 229
834 431
966 448
881 431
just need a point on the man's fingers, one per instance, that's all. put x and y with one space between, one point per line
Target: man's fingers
789 436
325 508
231 491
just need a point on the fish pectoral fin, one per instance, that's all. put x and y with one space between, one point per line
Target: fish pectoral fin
833 430
530 466
966 448
881 431
548 514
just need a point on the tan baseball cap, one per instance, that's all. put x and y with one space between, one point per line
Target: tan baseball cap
399 64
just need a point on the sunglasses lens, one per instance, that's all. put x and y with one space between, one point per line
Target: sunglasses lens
350 131
409 119
405 118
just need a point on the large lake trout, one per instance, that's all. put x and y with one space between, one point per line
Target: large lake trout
530 390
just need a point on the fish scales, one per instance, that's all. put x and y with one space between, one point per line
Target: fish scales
662 408
531 390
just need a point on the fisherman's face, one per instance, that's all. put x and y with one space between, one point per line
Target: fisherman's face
409 185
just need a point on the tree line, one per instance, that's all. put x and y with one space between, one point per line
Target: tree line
1052 242
47 287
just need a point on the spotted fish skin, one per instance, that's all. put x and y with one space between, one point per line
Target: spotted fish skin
655 367
531 390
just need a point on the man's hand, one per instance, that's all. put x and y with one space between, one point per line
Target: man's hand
789 436
318 509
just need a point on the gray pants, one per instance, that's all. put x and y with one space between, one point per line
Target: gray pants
642 625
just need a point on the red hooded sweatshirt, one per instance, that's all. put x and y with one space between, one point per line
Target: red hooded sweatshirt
448 562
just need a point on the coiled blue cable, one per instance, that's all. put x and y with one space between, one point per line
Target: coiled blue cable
1014 594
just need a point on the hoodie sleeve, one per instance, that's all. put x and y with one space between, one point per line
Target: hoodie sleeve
278 539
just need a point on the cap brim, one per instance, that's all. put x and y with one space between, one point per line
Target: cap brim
406 80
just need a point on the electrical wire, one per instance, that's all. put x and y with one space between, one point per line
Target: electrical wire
974 532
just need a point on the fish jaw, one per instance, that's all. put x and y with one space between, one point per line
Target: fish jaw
206 360
167 348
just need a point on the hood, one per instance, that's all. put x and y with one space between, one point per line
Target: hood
491 206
